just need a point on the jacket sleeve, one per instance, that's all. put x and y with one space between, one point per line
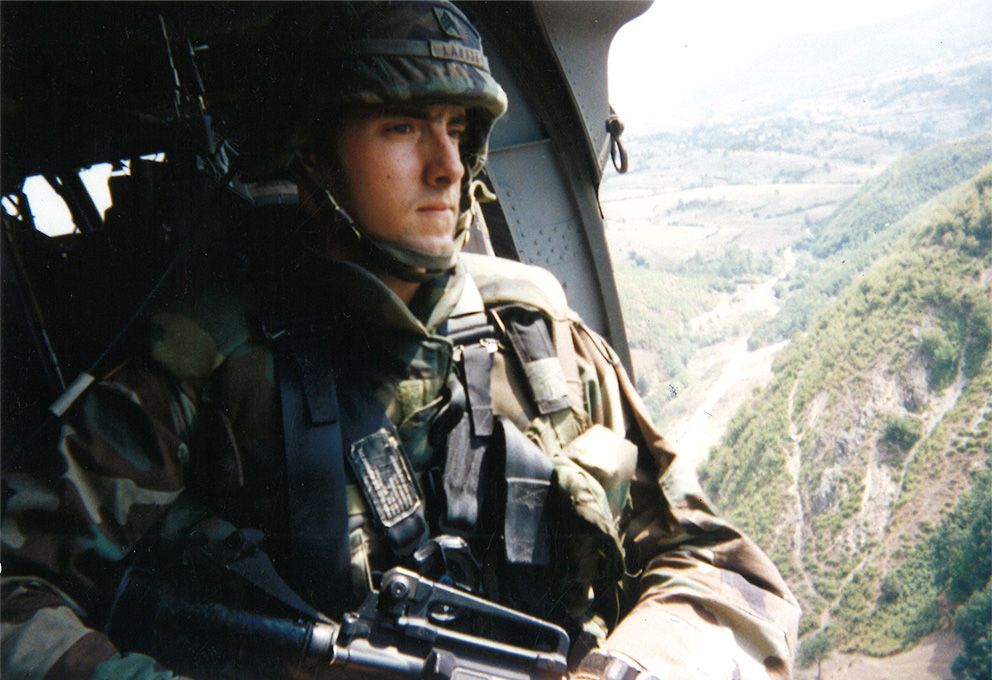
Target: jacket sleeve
72 512
43 637
709 602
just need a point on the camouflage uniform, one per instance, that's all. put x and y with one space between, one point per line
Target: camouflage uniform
200 414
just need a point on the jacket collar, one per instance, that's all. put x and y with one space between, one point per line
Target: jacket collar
340 287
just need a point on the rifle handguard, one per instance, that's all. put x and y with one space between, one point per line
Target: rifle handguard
153 618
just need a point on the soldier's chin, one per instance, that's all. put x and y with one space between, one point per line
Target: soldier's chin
435 246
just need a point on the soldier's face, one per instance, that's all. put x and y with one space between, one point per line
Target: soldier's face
399 174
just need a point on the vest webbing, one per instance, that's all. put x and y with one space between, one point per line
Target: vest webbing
324 406
327 407
471 408
527 470
315 478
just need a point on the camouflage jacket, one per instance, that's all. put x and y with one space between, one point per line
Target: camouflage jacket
688 596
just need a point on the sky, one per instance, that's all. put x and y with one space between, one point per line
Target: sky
685 43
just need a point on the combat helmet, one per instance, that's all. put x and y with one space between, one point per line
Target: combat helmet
381 53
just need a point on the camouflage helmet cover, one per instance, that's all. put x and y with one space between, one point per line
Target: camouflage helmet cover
381 53
316 61
418 52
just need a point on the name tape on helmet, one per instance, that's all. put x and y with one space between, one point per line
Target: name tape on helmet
453 51
436 49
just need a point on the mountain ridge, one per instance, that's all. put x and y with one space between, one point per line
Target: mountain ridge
812 64
834 250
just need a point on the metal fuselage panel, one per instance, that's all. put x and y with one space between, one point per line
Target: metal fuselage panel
548 152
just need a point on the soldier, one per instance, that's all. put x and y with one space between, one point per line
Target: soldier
372 397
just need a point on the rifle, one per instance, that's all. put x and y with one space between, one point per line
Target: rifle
411 627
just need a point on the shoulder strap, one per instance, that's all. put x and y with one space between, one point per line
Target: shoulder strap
528 482
527 332
470 408
504 282
318 518
330 415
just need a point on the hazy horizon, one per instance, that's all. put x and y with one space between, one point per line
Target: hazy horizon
706 60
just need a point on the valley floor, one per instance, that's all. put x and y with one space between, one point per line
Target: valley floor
931 659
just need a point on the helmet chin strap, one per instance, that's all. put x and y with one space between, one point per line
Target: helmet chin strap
403 262
410 264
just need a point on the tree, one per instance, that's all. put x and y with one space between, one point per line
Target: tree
814 649
961 555
973 623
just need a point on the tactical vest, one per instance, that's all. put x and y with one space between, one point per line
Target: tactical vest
523 470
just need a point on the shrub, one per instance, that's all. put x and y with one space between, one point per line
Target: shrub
973 624
940 357
891 589
981 338
903 432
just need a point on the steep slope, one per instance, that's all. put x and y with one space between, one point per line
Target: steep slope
874 427
834 250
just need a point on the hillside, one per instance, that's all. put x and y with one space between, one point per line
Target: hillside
864 461
832 251
832 212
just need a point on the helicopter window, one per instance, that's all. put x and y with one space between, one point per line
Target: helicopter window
49 211
51 214
95 180
10 206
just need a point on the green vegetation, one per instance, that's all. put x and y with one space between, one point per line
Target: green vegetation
657 307
962 559
973 623
880 404
903 432
733 267
938 353
867 226
923 309
962 547
957 561
660 304
813 650
896 193
885 621
758 435
981 337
